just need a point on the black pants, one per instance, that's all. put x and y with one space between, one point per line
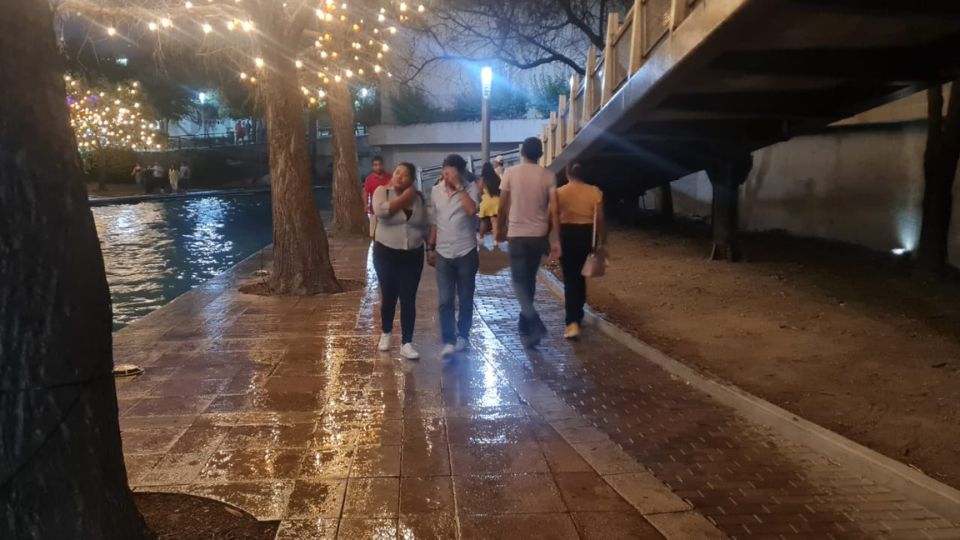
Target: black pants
398 273
576 242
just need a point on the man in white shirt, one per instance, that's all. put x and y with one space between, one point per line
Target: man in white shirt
530 221
453 250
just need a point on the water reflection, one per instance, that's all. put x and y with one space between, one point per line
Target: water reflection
155 251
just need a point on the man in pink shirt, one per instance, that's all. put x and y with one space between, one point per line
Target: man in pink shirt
378 177
530 220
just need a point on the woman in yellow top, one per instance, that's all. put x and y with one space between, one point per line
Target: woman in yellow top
579 202
489 200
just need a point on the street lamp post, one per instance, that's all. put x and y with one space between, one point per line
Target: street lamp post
486 78
203 112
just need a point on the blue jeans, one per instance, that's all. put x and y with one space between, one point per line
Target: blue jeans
457 280
525 256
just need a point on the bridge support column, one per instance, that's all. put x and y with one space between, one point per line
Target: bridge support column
726 179
665 202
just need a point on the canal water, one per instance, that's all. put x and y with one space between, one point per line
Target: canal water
157 250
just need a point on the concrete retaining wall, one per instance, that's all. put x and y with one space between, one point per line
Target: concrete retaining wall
861 182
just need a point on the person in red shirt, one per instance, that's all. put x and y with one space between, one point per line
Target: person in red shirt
378 177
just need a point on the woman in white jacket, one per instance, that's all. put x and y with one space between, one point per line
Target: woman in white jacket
398 252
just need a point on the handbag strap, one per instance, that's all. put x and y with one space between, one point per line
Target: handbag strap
594 241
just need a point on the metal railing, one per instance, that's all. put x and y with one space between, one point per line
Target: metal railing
428 176
189 142
628 45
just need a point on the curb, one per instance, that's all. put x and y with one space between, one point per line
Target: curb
934 495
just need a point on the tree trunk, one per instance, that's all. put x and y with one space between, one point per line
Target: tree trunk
312 143
939 168
301 255
726 179
61 464
349 217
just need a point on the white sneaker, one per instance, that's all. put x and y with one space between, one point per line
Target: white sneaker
462 345
384 342
447 351
408 352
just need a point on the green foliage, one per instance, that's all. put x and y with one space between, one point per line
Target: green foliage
413 106
549 88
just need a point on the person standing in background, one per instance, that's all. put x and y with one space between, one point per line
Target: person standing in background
489 202
173 176
498 166
529 220
138 176
378 177
184 181
157 178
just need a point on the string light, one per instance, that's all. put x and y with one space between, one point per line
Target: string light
102 121
355 46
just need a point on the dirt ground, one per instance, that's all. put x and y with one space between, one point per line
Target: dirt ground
840 335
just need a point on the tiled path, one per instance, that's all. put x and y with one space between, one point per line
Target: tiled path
282 407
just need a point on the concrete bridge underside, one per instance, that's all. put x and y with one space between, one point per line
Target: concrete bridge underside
739 75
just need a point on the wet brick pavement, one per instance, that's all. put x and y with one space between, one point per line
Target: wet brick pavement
283 407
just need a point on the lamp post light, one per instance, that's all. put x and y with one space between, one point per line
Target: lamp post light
486 79
203 112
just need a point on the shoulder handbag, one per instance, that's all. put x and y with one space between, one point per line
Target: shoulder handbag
595 265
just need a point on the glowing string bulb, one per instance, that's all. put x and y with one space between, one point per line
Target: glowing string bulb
403 6
298 63
111 31
421 9
349 73
153 27
207 28
166 23
247 26
258 62
231 25
188 5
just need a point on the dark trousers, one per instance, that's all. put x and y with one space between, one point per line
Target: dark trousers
525 256
398 273
576 242
456 280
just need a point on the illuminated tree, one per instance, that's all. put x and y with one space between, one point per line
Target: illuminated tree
109 119
292 52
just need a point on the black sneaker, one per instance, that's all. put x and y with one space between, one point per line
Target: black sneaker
533 338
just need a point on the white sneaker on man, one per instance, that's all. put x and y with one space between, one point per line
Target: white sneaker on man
408 352
447 351
384 344
462 345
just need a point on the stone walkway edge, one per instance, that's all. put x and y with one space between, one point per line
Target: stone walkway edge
883 470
